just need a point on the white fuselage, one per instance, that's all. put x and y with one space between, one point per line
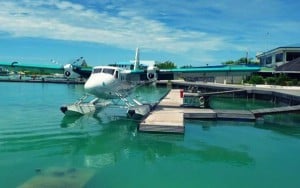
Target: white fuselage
105 82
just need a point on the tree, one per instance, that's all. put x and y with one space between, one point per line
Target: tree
242 60
281 80
256 79
166 65
230 62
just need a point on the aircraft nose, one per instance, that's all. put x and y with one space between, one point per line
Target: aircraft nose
98 84
90 86
93 87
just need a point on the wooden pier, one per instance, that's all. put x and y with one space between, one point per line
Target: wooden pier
169 114
276 110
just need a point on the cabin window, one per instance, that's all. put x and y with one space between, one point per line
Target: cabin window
117 75
97 70
279 57
109 71
269 60
292 55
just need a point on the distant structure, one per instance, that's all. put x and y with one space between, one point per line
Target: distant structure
225 74
278 56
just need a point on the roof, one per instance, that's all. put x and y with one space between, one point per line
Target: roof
291 47
293 65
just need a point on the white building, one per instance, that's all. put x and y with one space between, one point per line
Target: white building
278 56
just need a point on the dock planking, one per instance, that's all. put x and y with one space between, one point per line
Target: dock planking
169 114
242 115
276 110
197 113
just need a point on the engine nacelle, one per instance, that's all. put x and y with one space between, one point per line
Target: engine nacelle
69 73
152 73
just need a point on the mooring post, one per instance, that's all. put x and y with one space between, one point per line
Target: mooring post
206 102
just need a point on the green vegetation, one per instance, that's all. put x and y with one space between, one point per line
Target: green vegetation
241 61
271 80
166 65
256 79
281 80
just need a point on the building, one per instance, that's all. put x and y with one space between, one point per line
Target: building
279 56
226 74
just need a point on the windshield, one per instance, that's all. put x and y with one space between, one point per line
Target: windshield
97 70
109 71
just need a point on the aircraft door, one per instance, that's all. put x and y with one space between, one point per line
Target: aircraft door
117 74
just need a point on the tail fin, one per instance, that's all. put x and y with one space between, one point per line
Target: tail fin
137 59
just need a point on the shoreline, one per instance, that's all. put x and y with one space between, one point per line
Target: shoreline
45 80
289 95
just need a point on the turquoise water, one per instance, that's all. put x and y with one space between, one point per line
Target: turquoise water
35 137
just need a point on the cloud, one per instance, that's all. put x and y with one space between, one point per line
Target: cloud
195 30
70 21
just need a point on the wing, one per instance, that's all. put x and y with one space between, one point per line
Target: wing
206 73
16 66
69 70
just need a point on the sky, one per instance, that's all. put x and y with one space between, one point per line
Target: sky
186 32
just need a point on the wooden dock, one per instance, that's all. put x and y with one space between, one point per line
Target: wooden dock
169 114
242 115
276 110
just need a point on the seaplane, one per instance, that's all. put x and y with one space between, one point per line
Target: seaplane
112 85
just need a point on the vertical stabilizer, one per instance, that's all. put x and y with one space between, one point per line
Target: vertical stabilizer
137 59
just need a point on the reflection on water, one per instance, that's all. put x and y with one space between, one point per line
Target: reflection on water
286 120
285 128
170 146
220 154
115 142
35 135
70 121
100 160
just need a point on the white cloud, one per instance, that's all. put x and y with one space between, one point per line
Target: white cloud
69 21
64 5
193 29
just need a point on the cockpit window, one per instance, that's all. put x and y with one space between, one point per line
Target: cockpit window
97 70
109 71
